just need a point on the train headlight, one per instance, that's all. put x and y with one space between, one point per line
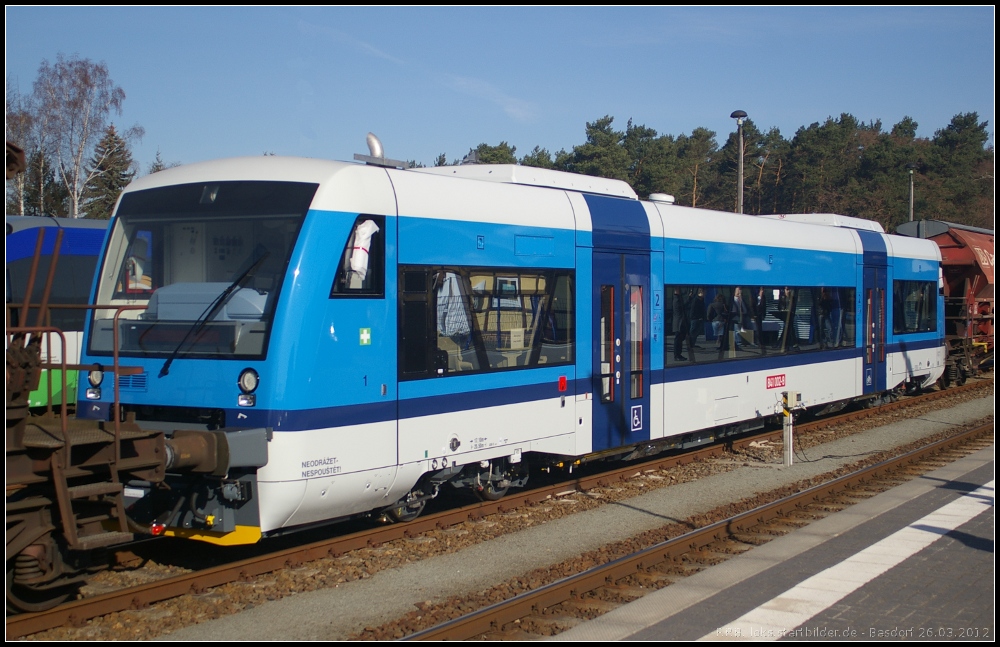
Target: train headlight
249 380
95 377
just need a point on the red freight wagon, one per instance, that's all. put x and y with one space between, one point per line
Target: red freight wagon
967 268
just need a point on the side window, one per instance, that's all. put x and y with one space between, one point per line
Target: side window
456 350
635 334
914 307
715 323
607 343
557 328
414 323
361 271
506 316
456 320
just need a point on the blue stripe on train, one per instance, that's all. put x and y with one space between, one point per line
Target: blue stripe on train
359 414
343 416
680 373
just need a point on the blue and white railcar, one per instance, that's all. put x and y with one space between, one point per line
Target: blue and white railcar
324 339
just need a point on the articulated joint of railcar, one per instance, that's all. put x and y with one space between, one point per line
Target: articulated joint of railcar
210 486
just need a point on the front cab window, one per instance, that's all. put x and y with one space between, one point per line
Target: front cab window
204 263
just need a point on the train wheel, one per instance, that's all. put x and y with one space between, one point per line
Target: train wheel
405 511
493 480
492 490
27 599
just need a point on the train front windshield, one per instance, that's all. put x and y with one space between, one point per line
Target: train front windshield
205 261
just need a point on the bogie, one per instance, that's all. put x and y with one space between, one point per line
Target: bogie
409 507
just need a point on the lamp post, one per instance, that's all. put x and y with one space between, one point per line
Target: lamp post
739 116
910 168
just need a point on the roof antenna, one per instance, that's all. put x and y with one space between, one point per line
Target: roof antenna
377 157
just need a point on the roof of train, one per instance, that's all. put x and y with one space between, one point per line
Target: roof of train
20 223
304 169
534 176
829 219
261 167
698 224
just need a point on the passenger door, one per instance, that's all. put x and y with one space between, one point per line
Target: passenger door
620 349
874 336
873 310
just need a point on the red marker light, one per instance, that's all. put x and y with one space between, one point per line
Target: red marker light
562 383
157 529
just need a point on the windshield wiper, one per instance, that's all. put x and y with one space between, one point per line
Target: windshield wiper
213 309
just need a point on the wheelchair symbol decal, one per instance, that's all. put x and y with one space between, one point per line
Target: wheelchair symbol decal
637 418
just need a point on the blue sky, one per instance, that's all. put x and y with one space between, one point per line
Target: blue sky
217 82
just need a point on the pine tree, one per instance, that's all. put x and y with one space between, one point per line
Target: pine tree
502 154
110 170
44 194
159 165
538 157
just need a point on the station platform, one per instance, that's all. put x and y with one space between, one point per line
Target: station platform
913 563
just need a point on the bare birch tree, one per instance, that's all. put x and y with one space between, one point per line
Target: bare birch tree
75 99
18 126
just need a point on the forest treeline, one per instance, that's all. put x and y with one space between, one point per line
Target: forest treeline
79 161
841 166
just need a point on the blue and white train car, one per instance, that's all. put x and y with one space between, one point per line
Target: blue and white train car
322 339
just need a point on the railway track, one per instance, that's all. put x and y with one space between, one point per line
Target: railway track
554 607
79 612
